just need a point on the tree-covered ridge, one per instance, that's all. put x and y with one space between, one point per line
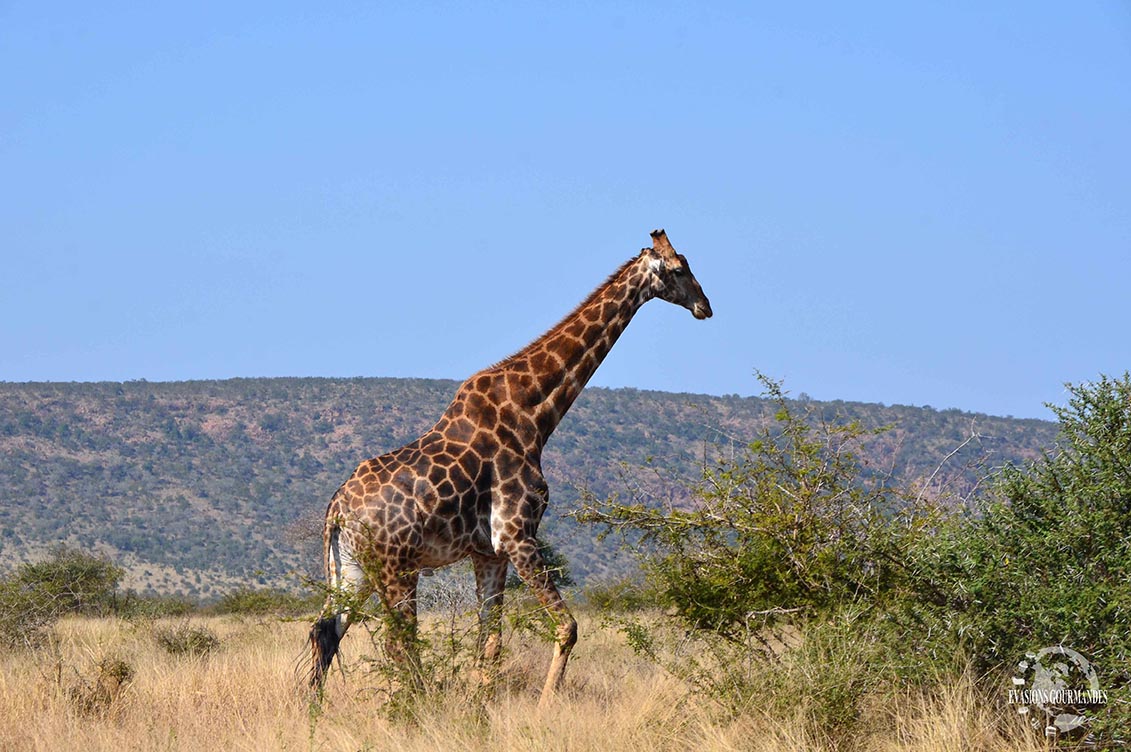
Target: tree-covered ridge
194 485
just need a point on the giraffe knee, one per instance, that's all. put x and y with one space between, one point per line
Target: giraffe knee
567 633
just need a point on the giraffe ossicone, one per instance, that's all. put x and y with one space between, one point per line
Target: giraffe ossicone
472 486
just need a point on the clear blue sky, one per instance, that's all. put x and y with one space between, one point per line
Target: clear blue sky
916 203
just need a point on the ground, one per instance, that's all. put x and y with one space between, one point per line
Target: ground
246 694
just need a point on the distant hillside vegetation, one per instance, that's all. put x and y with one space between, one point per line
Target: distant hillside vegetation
196 487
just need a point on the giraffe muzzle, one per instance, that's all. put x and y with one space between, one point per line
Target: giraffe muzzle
702 310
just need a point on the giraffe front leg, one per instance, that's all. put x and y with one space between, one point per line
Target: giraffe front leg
490 582
531 567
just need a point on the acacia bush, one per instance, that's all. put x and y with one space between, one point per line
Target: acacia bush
1045 559
798 563
786 528
36 594
131 605
618 594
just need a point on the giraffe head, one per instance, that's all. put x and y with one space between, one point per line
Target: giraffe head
672 279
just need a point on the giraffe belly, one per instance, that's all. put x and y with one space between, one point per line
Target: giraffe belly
441 545
439 553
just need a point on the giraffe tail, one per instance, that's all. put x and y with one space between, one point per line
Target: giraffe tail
324 635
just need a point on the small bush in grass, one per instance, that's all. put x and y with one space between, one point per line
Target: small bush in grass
95 696
268 602
186 639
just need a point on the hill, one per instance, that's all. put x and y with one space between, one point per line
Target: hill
196 487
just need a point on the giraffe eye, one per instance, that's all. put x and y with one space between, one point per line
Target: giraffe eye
678 271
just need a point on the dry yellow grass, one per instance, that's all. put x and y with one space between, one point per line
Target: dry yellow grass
245 696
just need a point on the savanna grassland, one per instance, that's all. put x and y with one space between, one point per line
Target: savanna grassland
799 600
113 684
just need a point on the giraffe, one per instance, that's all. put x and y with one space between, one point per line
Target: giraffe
472 486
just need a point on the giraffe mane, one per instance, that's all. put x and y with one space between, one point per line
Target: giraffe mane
597 291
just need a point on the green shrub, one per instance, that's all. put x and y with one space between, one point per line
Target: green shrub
131 605
1046 559
37 594
787 528
792 534
267 602
788 535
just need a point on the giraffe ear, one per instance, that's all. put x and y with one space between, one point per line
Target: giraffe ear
661 244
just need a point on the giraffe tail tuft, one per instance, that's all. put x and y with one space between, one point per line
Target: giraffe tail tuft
324 635
324 642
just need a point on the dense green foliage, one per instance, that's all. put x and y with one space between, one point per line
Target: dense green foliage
200 487
791 526
792 536
1046 561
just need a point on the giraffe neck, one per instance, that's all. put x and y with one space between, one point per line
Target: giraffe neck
550 372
